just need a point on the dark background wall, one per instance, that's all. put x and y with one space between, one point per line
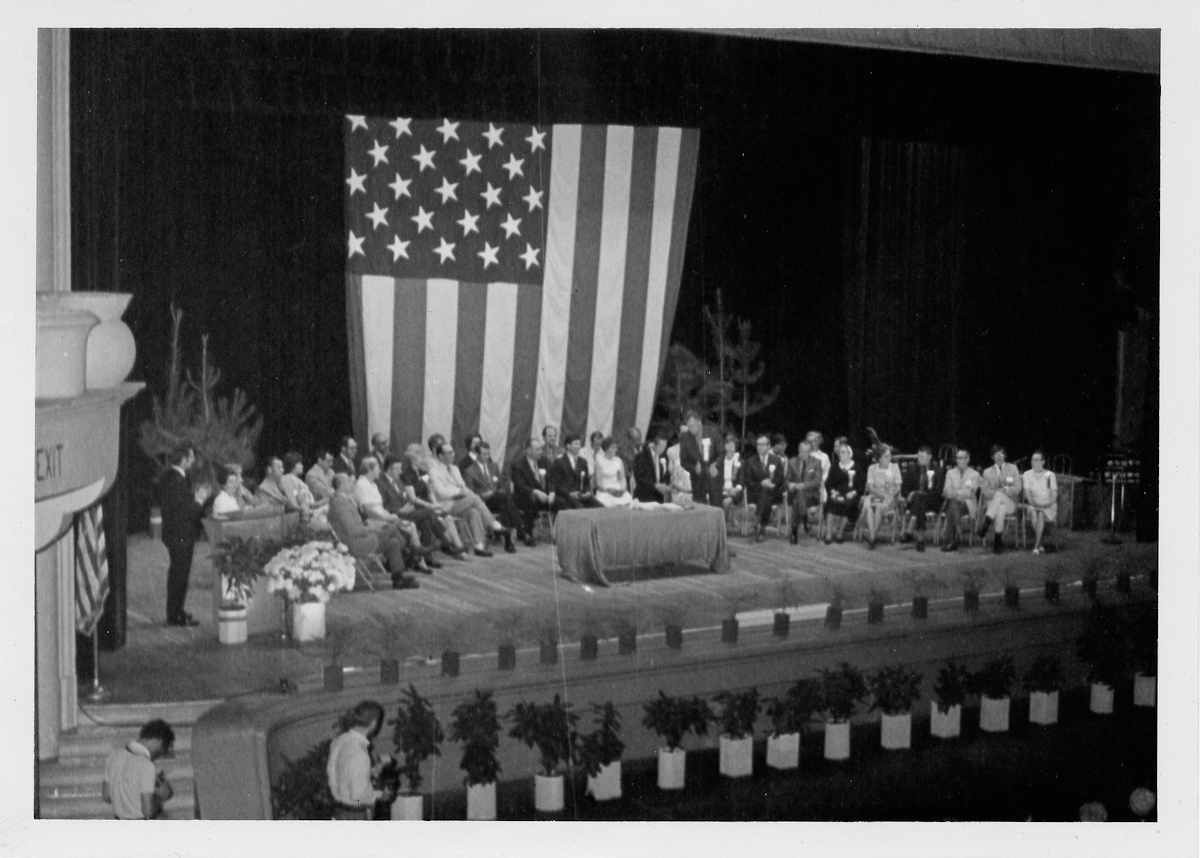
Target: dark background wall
924 244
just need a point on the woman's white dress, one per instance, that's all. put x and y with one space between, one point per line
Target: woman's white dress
1041 490
610 474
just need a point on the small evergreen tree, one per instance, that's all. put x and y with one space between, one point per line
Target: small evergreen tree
745 372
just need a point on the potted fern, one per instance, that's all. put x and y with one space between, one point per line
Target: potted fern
994 685
950 692
837 603
737 714
782 621
894 690
239 563
842 689
600 753
922 583
789 714
1043 680
507 625
475 725
876 600
417 735
550 727
1103 646
671 718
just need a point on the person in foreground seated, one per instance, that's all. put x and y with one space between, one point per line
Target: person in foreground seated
1041 497
292 482
960 489
398 502
651 475
845 485
415 477
883 488
922 491
380 447
483 478
351 768
569 478
530 489
319 478
730 471
363 541
681 480
611 483
132 784
1001 493
370 504
271 489
763 477
588 453
226 504
804 477
451 493
347 460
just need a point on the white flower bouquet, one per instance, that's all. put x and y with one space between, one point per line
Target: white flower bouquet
311 572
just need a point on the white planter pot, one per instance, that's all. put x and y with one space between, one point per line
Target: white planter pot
1043 707
895 731
837 740
1102 699
231 626
993 714
308 621
606 784
111 349
783 751
945 725
672 766
408 808
1145 689
736 756
548 793
481 801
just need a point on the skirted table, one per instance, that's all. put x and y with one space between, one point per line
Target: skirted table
590 542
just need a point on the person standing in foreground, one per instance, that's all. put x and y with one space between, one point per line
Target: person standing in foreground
351 769
180 514
132 784
699 455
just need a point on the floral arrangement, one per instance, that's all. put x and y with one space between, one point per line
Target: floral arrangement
311 572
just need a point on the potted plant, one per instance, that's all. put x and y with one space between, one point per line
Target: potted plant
894 690
729 625
1093 570
1053 578
239 564
550 727
591 627
737 714
837 602
1012 590
671 718
1103 646
673 618
302 791
475 725
448 639
993 684
393 645
547 632
973 579
923 583
417 736
950 692
876 600
627 633
842 689
786 598
1043 680
1143 644
339 641
307 576
789 714
600 753
507 625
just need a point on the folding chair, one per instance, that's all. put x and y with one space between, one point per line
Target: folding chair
893 515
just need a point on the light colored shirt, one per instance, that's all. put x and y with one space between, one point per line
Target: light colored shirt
961 486
130 774
731 466
368 497
445 481
823 458
296 490
319 482
349 770
1040 489
883 483
1005 478
225 504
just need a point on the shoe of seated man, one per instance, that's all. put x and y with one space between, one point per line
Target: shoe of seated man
483 552
405 582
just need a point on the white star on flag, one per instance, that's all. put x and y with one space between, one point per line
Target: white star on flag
471 163
356 182
400 186
511 226
535 139
398 248
488 255
379 153
514 166
493 135
356 244
467 222
533 198
448 129
423 219
445 250
530 256
378 216
403 126
447 190
357 121
492 195
424 158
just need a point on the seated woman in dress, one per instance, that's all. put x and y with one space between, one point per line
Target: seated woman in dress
226 504
612 489
292 482
883 487
730 470
845 487
1041 497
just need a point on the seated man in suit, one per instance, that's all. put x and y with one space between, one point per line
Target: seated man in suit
804 478
370 505
319 478
651 474
763 476
1001 493
729 470
271 489
962 482
482 476
396 502
472 452
630 448
415 478
380 448
531 493
451 494
569 478
922 491
363 541
347 460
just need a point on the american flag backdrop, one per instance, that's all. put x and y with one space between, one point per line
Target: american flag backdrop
502 277
91 568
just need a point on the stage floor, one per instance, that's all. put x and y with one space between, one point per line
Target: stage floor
468 603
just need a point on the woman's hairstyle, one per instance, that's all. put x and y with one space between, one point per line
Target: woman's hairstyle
732 436
1038 451
226 472
606 443
291 460
592 438
884 450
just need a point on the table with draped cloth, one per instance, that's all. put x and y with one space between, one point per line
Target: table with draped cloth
589 542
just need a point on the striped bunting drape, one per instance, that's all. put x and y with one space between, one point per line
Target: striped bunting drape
576 338
91 568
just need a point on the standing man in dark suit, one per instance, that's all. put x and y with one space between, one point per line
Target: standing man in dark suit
922 491
180 514
652 480
699 452
763 477
569 477
347 460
